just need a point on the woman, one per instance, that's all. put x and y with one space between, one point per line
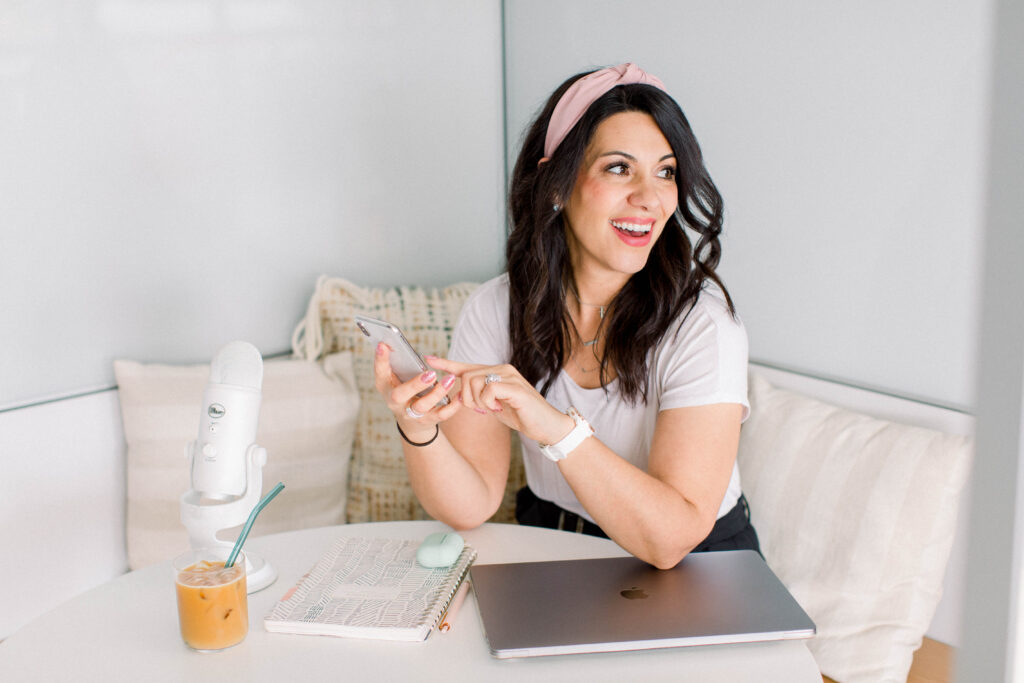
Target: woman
607 317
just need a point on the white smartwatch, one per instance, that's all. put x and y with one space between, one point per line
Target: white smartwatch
582 430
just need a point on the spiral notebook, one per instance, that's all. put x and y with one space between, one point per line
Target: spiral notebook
370 588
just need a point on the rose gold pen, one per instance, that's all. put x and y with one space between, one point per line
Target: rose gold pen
453 607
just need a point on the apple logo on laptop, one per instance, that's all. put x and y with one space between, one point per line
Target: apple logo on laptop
633 593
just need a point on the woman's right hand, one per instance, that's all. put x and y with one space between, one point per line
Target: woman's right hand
401 399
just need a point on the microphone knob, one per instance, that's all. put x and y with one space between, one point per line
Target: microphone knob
209 450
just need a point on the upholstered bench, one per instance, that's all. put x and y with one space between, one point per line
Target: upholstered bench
856 513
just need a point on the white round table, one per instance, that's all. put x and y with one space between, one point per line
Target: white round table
127 630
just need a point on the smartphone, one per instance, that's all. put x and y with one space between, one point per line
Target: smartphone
406 362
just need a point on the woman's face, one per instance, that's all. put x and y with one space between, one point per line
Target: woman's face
624 194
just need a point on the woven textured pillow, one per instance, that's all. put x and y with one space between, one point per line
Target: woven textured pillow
307 423
379 488
856 516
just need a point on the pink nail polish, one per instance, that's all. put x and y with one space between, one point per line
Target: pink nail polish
482 412
428 376
448 382
380 348
429 358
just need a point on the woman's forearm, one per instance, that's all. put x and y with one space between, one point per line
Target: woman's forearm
449 486
646 516
662 513
457 472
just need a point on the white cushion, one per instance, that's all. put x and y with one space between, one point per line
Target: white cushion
307 422
856 515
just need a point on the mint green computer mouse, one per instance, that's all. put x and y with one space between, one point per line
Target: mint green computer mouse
440 549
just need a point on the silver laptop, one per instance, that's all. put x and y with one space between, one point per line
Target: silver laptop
622 603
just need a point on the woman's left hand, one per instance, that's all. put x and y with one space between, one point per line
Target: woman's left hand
509 397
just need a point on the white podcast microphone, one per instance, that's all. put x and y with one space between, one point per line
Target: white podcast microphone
227 422
225 462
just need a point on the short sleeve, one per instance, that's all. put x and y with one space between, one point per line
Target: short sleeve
703 360
481 330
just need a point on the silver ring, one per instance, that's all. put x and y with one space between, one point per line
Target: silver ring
412 413
491 378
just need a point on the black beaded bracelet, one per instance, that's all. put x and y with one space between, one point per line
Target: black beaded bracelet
437 430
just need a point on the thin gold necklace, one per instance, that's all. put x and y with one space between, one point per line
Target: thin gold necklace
601 308
580 367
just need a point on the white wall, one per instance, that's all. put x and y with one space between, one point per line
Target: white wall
848 140
176 173
993 621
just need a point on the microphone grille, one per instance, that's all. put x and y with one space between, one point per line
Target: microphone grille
238 364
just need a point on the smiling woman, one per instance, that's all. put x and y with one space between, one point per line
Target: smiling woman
625 193
610 344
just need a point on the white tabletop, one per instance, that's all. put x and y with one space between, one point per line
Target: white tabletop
127 629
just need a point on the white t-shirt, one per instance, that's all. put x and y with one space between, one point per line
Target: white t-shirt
705 363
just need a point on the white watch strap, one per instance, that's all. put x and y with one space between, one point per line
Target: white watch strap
582 431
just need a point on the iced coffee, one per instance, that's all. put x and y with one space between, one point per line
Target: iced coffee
213 610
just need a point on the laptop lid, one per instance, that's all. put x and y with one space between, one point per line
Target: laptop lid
622 603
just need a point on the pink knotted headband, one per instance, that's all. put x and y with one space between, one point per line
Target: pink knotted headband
584 92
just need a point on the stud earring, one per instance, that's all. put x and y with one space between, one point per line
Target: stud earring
555 207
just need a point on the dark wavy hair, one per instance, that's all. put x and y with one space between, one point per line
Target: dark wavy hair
537 253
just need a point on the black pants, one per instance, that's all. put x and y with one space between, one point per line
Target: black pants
732 531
